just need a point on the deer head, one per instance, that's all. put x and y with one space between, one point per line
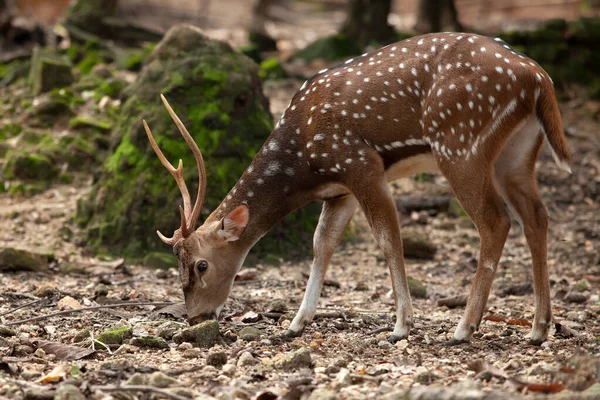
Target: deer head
208 257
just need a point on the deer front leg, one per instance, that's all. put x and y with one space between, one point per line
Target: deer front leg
378 205
334 219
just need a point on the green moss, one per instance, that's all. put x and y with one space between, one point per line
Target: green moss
29 166
331 48
49 71
9 130
115 335
150 342
271 69
87 122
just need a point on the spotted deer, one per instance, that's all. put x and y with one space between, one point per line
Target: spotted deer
465 105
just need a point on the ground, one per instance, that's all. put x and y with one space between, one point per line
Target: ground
349 354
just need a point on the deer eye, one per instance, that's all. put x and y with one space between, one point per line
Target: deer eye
201 266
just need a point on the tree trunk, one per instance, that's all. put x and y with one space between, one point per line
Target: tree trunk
437 16
258 33
366 21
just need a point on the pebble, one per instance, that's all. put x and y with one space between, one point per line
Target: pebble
291 361
249 333
344 377
322 394
40 353
246 359
384 344
136 379
185 346
285 324
217 358
168 329
193 353
229 369
68 392
205 334
161 380
6 331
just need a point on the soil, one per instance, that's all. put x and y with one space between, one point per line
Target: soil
348 357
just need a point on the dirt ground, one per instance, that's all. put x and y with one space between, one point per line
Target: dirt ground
348 357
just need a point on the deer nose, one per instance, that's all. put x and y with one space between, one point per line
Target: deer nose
201 318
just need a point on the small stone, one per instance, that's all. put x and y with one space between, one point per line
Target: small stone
185 346
150 342
81 335
30 374
22 350
426 377
402 344
361 287
416 288
68 303
205 334
418 247
125 349
229 369
300 358
114 335
216 358
384 344
21 260
6 331
246 359
44 290
68 392
574 297
101 291
344 377
285 324
322 394
136 379
161 274
40 353
277 306
161 380
249 333
193 353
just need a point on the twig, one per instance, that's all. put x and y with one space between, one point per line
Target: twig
148 303
379 330
139 388
21 306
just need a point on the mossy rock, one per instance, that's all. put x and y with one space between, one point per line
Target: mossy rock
217 93
115 335
331 48
159 260
21 260
271 68
49 71
80 122
31 166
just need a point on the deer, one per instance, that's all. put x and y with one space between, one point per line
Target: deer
464 105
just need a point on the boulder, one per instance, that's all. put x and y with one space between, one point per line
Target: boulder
21 260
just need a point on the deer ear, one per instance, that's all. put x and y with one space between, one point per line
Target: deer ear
234 224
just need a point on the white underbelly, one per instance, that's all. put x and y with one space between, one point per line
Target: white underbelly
421 163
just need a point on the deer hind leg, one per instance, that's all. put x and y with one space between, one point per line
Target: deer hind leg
378 205
473 185
515 172
334 219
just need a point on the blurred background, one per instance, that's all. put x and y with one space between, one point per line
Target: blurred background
77 77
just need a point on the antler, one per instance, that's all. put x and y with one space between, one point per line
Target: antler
189 215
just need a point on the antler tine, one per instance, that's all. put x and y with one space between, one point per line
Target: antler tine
176 173
193 218
184 228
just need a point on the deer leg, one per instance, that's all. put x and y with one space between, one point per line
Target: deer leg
334 219
520 191
477 194
378 205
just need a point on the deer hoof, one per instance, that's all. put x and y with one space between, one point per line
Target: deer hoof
536 342
456 342
290 334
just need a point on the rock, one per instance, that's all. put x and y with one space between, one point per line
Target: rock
216 358
150 342
418 247
416 288
426 377
344 377
21 260
193 353
208 84
249 333
168 329
229 369
291 361
161 380
6 331
574 297
185 346
205 334
322 394
72 268
39 352
246 359
68 303
45 290
22 350
30 166
115 335
81 335
68 392
49 71
136 379
277 306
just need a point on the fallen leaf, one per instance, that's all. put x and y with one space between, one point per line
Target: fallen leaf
519 322
564 331
554 387
249 316
177 310
494 318
57 373
246 275
68 303
62 351
480 366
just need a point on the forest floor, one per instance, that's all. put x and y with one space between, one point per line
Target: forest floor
348 358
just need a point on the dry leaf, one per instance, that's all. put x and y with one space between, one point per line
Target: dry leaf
519 322
547 388
57 373
68 303
62 351
250 316
494 318
177 310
